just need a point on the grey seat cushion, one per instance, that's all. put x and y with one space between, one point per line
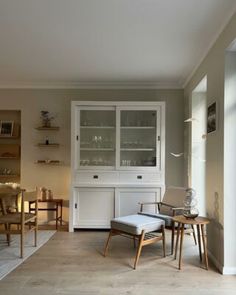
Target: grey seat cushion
166 218
135 224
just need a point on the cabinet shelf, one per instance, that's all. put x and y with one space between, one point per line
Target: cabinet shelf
50 145
97 127
137 149
54 128
137 127
97 149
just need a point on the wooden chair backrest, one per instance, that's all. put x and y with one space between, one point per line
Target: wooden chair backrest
29 196
173 196
9 198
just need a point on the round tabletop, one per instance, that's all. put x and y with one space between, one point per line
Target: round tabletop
197 220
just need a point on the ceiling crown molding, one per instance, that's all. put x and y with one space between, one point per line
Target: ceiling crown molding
213 41
91 85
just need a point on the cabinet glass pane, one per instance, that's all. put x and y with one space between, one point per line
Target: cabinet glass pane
138 118
138 138
97 137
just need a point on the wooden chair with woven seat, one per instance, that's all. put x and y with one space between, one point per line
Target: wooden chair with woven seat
19 222
170 206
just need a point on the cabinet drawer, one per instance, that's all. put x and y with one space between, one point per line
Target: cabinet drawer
127 177
97 177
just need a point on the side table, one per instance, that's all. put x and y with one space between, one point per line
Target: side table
57 207
199 222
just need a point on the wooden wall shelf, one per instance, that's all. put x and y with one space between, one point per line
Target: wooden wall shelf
9 158
9 175
50 145
9 137
49 162
54 128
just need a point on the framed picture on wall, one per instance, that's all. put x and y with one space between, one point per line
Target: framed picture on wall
6 128
211 117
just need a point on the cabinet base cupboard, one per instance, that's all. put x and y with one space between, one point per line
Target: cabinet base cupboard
117 160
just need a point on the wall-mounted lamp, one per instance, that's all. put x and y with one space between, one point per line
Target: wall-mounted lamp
177 155
190 120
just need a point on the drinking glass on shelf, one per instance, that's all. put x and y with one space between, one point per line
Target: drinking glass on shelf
94 141
99 141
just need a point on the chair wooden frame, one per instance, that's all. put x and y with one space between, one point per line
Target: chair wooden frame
20 219
143 240
175 211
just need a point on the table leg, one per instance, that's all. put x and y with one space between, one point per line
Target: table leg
181 245
177 240
204 246
61 213
56 216
199 241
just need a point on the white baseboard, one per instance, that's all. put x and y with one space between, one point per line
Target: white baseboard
229 271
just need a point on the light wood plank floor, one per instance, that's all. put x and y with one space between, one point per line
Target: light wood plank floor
71 263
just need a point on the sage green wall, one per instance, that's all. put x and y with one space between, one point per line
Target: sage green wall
214 67
31 102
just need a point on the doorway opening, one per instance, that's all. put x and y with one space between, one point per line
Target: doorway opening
198 143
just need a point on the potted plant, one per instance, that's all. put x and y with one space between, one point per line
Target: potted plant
46 118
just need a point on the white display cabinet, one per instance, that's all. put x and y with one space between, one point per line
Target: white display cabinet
117 147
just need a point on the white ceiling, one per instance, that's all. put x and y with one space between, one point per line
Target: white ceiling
139 43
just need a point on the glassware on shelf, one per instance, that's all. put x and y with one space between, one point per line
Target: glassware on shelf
99 141
84 162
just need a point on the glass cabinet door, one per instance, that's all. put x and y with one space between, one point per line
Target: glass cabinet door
97 128
139 138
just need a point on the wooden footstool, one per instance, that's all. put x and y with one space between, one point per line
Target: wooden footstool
138 227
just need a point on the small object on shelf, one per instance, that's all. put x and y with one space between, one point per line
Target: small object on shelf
43 191
50 195
47 141
46 118
6 128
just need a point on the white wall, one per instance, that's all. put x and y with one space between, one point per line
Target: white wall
214 66
31 102
230 159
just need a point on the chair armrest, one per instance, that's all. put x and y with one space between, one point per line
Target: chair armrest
149 203
178 208
167 205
